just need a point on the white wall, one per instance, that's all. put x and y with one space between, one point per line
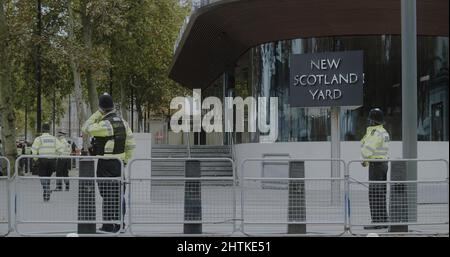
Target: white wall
349 151
143 150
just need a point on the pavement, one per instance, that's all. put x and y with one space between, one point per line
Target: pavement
157 209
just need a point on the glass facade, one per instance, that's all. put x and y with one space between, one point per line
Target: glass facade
264 71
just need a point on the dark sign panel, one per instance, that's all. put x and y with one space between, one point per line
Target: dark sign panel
326 79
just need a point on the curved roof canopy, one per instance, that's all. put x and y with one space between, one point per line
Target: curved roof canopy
218 34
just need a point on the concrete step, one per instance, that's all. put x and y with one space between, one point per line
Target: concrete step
180 173
211 168
182 164
181 184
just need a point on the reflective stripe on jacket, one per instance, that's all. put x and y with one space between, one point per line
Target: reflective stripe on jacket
47 144
375 144
28 150
67 147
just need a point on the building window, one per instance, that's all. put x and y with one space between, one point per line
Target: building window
267 70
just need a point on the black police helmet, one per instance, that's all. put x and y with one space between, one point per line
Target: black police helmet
105 102
45 127
376 115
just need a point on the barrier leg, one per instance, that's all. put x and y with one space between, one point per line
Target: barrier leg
296 201
399 197
86 197
192 199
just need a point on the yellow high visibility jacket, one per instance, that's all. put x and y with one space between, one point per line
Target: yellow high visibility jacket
67 147
47 144
97 126
28 150
375 144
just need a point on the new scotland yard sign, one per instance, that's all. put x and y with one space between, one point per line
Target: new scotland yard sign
326 79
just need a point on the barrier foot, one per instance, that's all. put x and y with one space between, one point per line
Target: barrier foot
192 229
296 198
398 228
86 198
192 199
296 228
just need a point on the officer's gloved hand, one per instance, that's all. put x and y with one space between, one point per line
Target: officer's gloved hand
364 164
91 151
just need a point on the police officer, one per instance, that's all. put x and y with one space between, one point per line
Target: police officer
46 145
19 149
63 164
112 136
375 145
19 153
1 161
27 151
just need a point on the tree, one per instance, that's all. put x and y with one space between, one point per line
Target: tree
142 52
6 91
84 47
81 113
37 64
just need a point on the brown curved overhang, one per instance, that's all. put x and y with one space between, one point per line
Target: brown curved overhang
218 34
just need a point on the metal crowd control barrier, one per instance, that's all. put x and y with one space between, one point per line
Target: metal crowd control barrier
5 197
41 211
298 204
398 205
186 204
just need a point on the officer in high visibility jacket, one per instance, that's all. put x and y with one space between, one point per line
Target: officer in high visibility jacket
112 136
1 161
20 151
46 145
27 151
375 145
63 164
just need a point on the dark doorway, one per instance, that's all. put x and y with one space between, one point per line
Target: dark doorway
437 122
200 138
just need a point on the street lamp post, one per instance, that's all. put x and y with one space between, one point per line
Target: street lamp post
407 170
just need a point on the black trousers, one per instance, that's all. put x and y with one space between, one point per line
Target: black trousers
62 170
377 191
46 167
1 168
110 189
23 165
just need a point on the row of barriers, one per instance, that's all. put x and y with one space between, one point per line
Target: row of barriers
263 197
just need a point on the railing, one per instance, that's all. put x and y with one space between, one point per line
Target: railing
399 204
163 205
189 143
299 203
85 199
5 200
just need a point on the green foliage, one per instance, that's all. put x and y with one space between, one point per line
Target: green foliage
142 50
132 40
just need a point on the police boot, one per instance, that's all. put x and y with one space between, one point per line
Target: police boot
58 186
47 196
116 228
107 228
